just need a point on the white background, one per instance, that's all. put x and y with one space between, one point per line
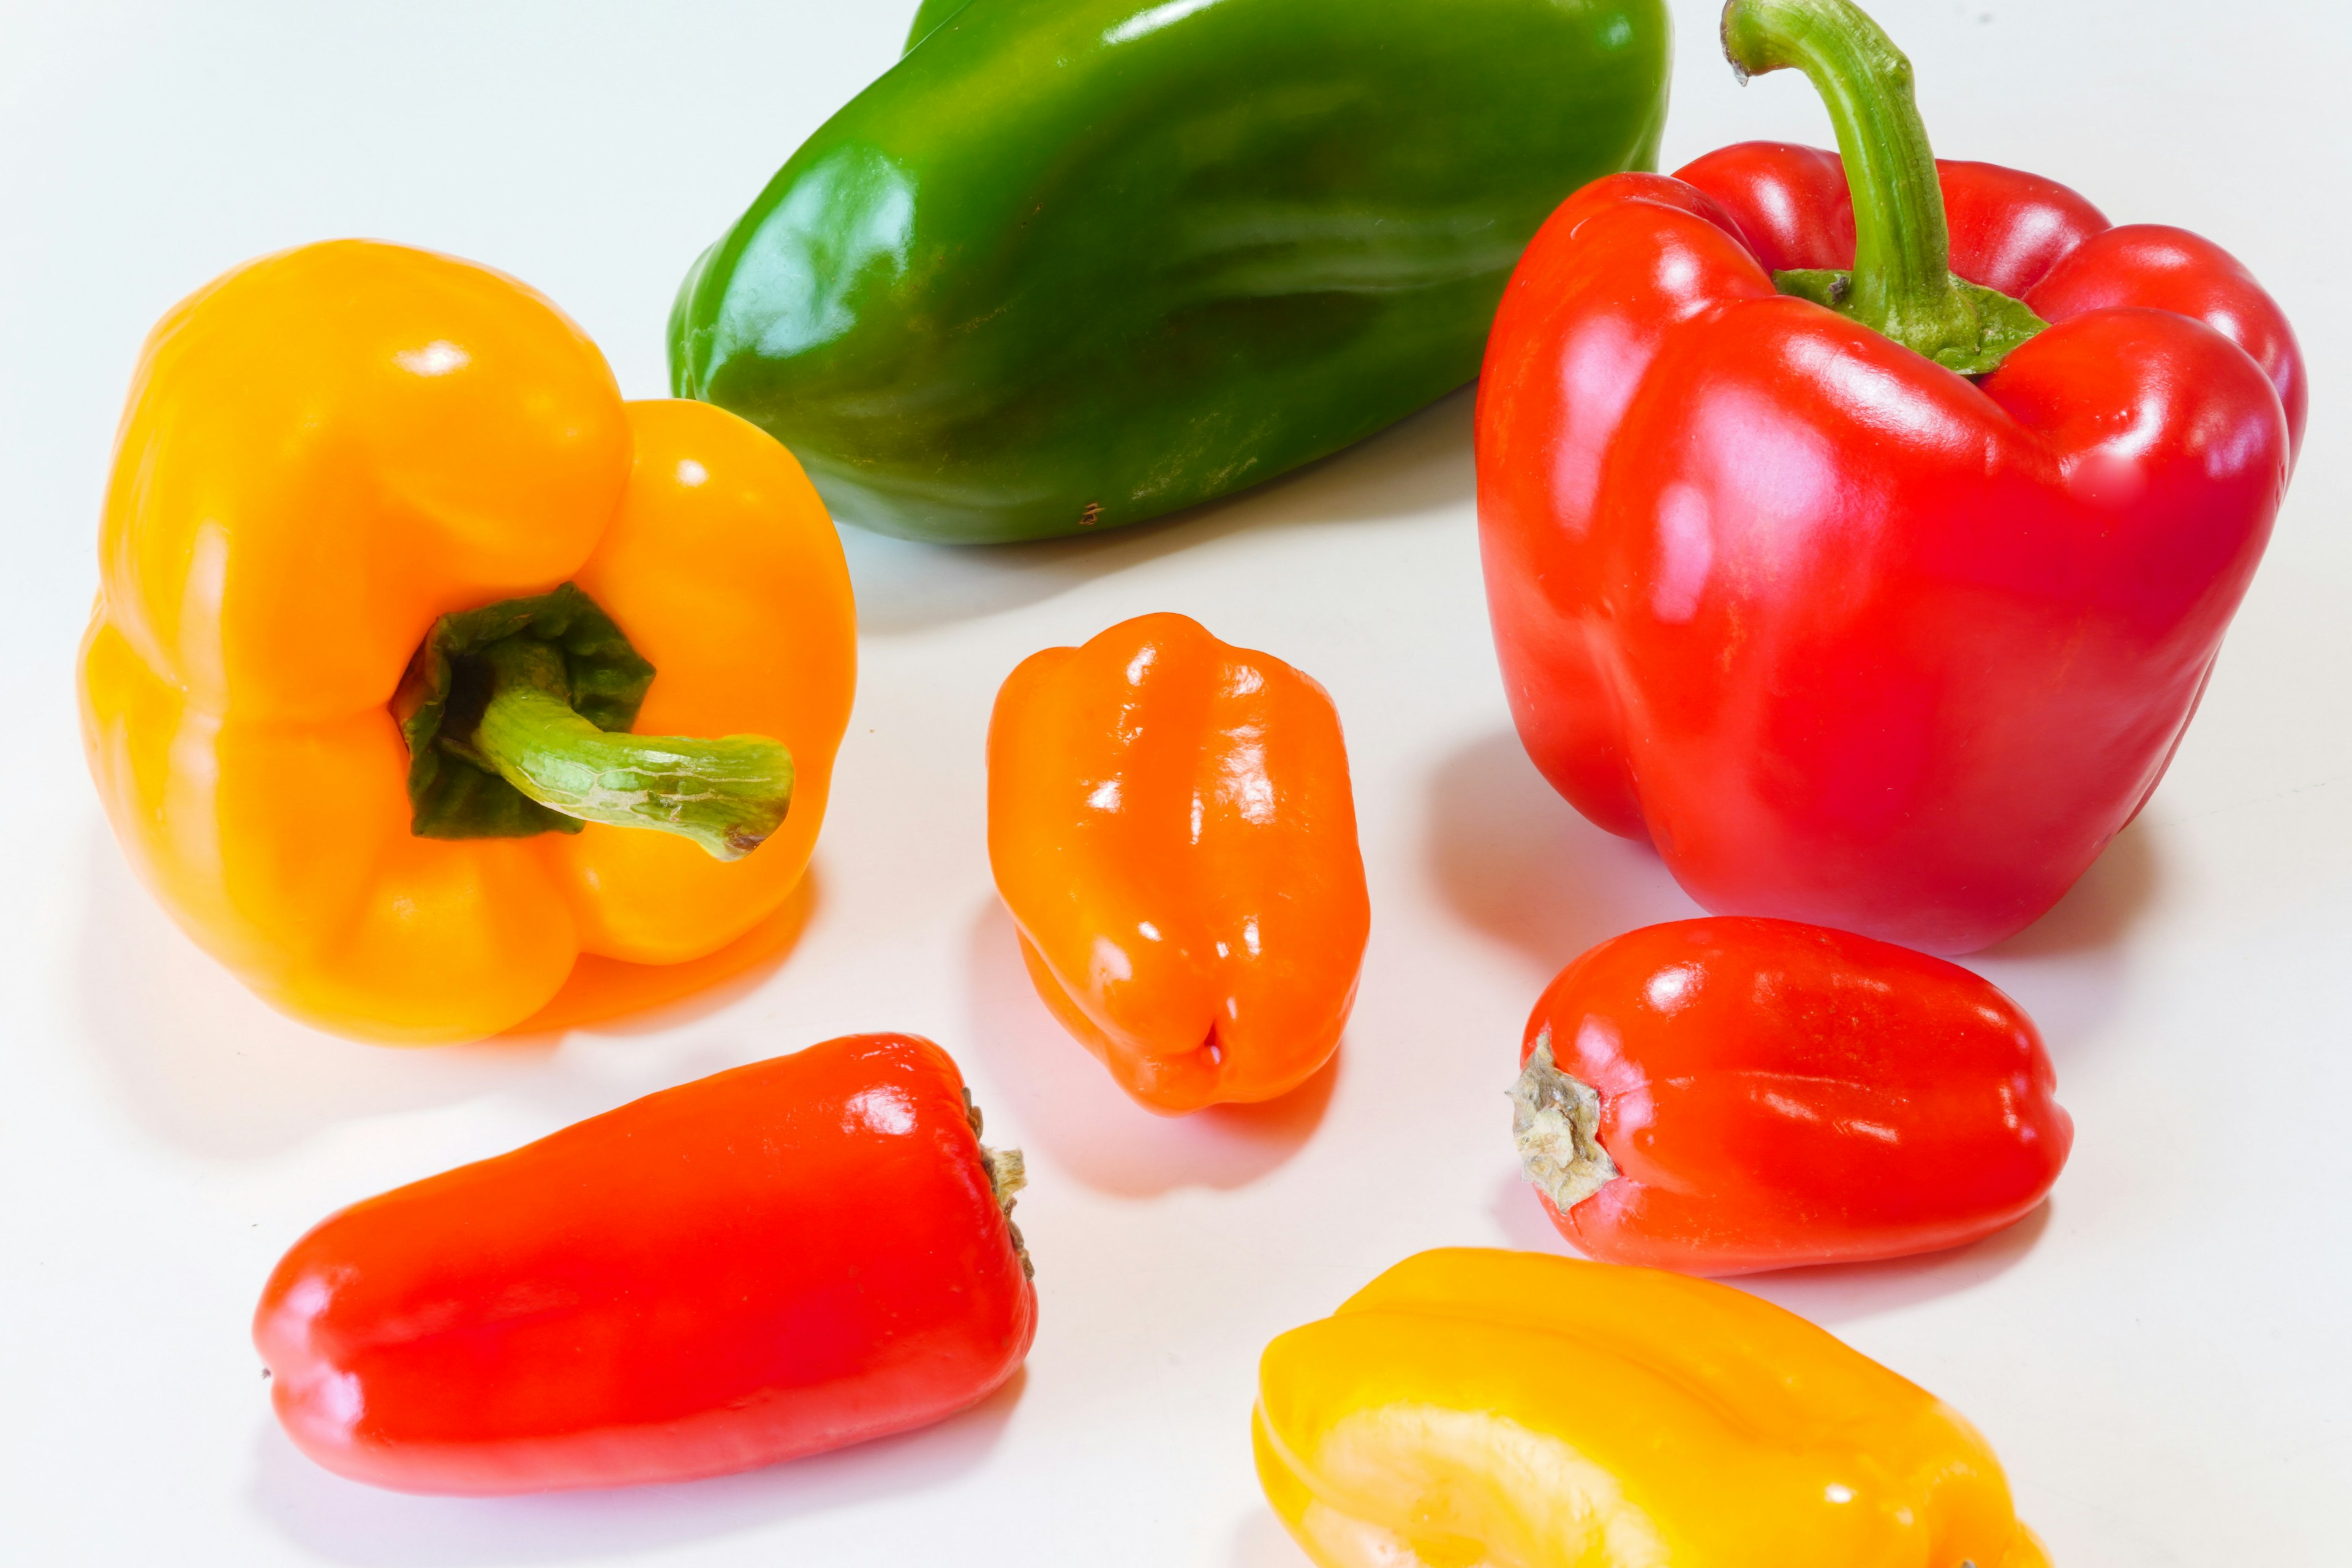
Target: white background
2159 1356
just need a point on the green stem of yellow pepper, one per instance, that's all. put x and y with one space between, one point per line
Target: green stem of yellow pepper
728 795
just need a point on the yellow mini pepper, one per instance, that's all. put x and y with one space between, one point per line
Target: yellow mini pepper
1475 1407
404 620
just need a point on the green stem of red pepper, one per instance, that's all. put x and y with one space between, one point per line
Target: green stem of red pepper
1902 283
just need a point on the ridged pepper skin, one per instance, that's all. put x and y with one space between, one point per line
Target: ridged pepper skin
785 1258
2024 234
1477 1406
326 450
1850 638
1171 825
1721 1096
1070 264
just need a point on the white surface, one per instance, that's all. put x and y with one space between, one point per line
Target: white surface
2159 1356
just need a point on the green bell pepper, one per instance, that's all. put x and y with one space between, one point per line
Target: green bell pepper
1071 264
929 16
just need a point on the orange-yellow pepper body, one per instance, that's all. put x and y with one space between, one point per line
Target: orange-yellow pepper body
1475 1407
1171 825
326 450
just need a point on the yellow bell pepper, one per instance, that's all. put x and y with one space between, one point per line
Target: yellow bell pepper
389 575
1519 1410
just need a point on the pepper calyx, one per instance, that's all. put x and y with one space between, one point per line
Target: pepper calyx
1008 1173
517 718
1901 284
2000 322
1556 1127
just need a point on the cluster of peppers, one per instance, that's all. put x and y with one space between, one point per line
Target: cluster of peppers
1859 529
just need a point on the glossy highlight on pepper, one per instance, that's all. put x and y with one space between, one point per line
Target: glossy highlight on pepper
1070 264
1171 827
777 1261
1720 1095
331 457
1480 1406
1852 637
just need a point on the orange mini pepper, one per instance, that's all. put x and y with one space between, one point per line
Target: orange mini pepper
389 576
1171 825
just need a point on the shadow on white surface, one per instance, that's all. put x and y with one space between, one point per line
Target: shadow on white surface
1422 463
1518 862
1831 1293
205 1066
654 999
2098 911
1849 1292
1074 1115
1519 1214
1261 1542
2070 969
344 1521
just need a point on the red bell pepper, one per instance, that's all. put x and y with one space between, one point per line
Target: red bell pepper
1720 1095
788 1258
1878 596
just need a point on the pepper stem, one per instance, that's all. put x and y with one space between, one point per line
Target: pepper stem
1902 283
1556 1127
1008 1173
728 795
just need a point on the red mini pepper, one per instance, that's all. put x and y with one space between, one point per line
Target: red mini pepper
1879 598
1720 1095
788 1258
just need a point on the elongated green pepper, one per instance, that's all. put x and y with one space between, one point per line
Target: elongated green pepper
1071 264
